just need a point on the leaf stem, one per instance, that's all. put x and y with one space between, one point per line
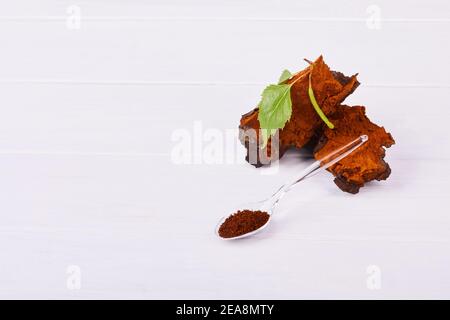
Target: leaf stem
316 105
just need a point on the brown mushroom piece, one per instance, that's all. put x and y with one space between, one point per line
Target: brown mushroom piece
365 164
305 129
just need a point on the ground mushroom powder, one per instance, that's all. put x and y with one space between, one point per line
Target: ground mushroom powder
242 222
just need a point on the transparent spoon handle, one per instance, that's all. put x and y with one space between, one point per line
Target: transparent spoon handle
319 166
332 158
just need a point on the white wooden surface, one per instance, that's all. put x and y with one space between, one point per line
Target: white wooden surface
86 177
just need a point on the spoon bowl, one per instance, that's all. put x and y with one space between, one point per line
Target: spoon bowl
253 206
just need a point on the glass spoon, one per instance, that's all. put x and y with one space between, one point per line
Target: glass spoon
268 205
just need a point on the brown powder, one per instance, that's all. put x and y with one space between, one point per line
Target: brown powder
243 222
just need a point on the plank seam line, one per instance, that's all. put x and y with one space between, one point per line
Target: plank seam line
218 19
195 83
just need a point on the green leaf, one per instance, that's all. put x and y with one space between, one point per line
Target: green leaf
275 109
316 105
284 76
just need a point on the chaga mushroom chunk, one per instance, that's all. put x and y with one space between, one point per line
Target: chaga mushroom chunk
366 163
330 89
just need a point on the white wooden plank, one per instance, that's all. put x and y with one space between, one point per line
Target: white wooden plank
203 9
222 50
116 218
142 119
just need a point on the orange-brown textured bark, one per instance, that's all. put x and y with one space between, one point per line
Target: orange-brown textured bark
366 163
